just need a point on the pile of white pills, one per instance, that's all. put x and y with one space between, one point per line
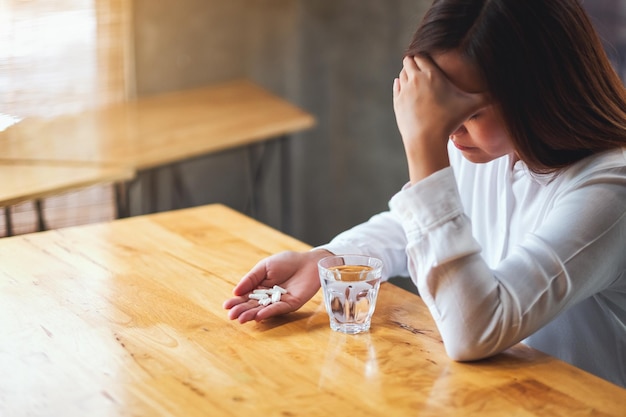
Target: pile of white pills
268 296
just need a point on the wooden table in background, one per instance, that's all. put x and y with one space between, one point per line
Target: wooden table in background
125 318
155 131
20 182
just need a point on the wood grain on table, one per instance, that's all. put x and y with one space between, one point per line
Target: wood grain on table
157 130
125 318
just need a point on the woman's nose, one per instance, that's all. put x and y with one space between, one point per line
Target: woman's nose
460 131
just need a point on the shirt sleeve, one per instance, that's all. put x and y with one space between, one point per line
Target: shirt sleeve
481 311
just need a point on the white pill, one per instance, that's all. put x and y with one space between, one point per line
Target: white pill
267 296
279 288
258 296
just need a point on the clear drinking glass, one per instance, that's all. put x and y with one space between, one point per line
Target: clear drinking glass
350 284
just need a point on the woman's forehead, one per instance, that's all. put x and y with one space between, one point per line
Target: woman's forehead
461 73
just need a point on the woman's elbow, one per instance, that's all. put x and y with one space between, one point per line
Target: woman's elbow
467 354
466 349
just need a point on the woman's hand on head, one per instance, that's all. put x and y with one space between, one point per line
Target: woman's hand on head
428 108
294 271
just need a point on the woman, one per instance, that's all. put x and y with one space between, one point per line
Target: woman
513 223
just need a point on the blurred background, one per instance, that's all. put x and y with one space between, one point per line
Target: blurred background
334 58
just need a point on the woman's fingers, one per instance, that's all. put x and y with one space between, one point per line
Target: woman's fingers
252 279
410 65
396 87
246 313
272 310
246 310
232 302
424 64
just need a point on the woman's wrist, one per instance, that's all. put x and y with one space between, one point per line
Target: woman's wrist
423 166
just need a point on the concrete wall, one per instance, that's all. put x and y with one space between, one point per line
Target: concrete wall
334 58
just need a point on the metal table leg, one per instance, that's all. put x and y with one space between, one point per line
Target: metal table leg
8 221
41 222
122 200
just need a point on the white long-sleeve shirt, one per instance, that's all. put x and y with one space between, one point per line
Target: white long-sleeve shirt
500 255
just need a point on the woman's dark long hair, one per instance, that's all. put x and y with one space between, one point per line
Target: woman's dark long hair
545 68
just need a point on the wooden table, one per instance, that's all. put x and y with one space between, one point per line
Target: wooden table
159 130
125 318
35 181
